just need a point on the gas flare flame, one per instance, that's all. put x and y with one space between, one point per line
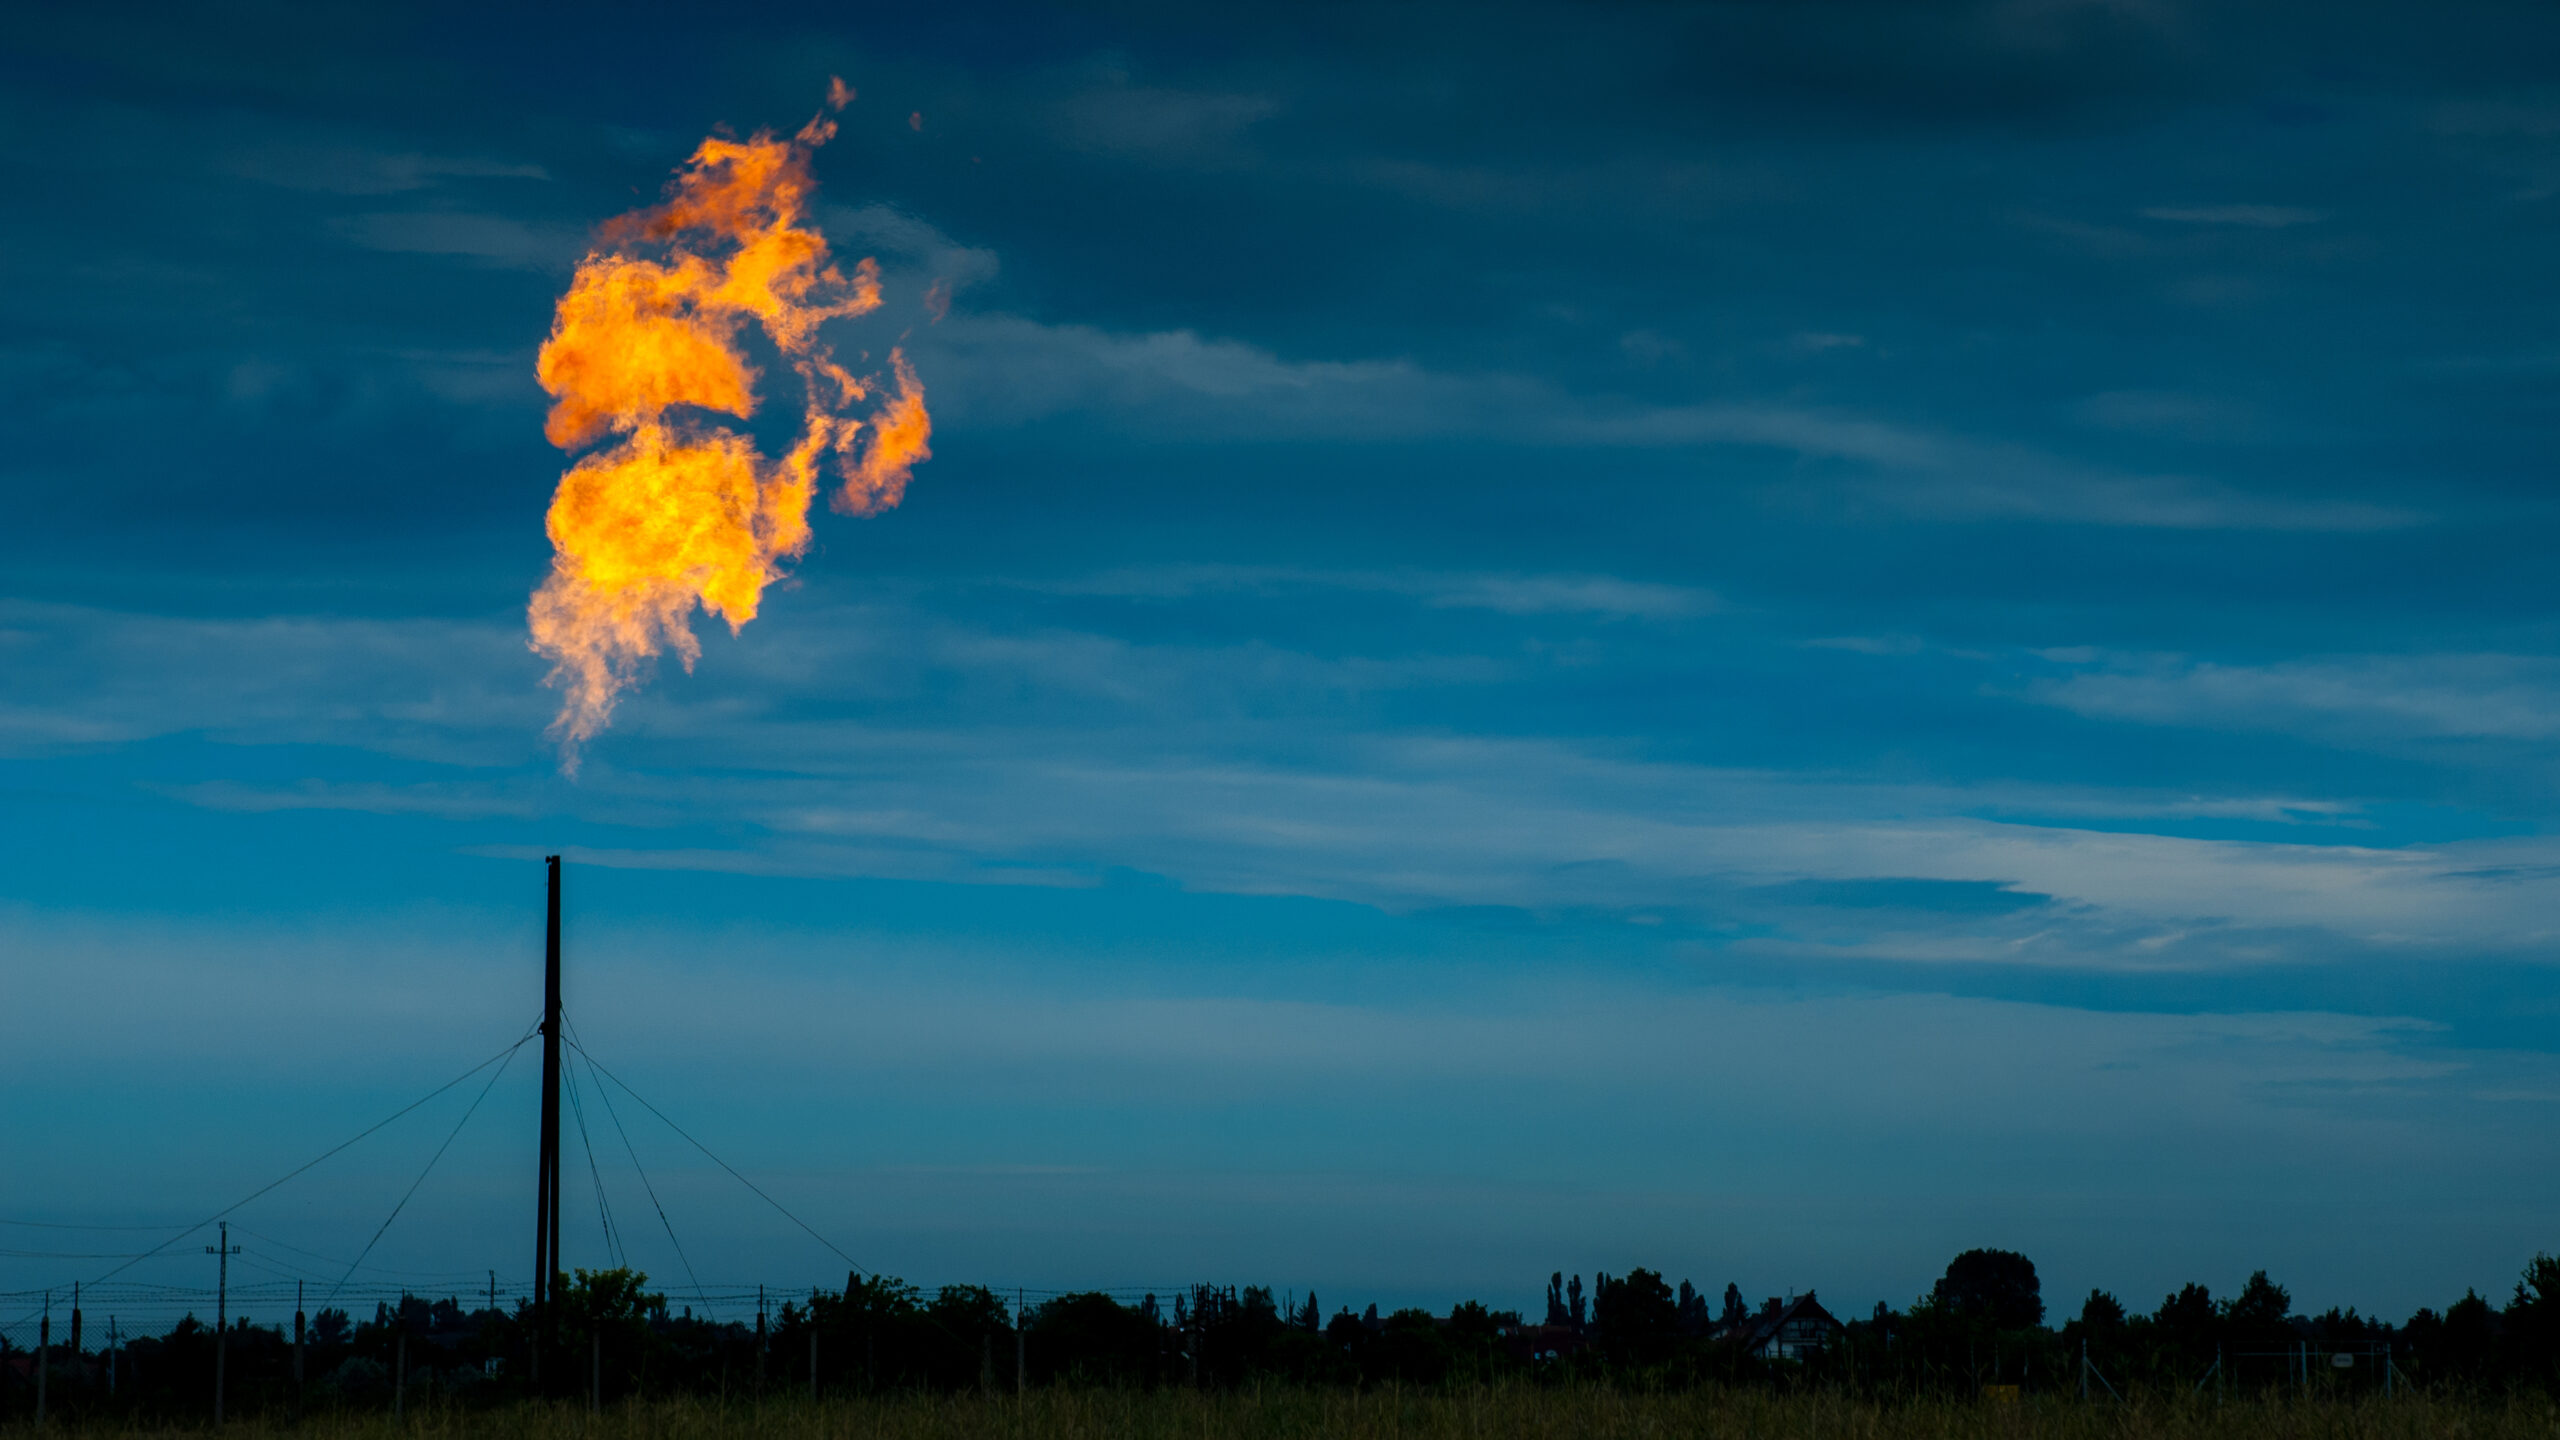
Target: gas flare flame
677 509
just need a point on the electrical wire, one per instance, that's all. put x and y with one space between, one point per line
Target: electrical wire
651 1190
613 1247
723 1164
430 1166
332 1260
323 1155
58 1225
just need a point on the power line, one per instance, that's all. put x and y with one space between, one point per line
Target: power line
651 1190
323 1155
335 1261
59 1225
613 1247
508 1059
723 1164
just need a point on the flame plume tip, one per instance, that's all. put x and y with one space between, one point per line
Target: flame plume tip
675 511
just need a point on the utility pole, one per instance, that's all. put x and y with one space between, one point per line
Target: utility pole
759 1342
75 1322
546 1189
221 1311
297 1347
44 1343
400 1374
113 1343
1020 1381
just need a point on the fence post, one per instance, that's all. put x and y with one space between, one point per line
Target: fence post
400 1376
1021 1383
44 1343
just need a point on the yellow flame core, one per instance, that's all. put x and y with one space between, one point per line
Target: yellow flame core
679 511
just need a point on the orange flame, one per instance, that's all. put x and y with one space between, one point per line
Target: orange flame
679 510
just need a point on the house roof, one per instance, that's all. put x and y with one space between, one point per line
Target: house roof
1758 1330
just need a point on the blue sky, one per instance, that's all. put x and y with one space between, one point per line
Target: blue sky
1765 640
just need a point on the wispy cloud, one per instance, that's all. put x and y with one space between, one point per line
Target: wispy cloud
347 167
894 743
2351 699
497 239
1955 476
1159 123
1511 594
2251 217
1180 383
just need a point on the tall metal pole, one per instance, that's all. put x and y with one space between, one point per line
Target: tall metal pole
221 1311
44 1344
546 1193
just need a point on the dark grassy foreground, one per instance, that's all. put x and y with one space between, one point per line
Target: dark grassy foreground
1495 1413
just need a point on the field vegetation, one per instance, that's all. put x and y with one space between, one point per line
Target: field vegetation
1974 1358
1502 1411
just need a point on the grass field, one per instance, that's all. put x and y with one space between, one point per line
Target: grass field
1502 1413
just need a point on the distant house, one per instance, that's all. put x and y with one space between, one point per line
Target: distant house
1790 1330
1533 1343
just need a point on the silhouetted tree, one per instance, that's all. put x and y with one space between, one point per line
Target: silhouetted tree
1408 1348
2533 1321
2468 1340
2260 1317
1694 1318
1998 1286
2101 1313
1735 1312
1556 1313
1573 1301
1091 1339
2188 1328
1638 1321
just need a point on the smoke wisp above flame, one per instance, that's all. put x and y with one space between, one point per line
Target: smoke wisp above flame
673 508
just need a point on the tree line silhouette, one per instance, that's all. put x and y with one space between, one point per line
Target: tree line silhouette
1983 1324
